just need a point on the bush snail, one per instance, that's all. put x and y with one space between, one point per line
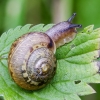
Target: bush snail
31 60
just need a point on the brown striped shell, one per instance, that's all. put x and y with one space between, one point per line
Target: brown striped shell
31 59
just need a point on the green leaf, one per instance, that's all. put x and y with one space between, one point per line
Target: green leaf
77 87
77 65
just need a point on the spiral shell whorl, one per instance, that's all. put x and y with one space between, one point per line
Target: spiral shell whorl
41 69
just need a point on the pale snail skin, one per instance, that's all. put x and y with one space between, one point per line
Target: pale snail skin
31 60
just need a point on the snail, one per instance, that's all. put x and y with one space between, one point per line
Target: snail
32 61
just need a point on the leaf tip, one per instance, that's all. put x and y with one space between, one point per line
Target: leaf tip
88 29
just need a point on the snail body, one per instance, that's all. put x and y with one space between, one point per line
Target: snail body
31 59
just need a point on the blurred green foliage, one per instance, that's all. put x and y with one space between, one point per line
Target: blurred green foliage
88 12
21 12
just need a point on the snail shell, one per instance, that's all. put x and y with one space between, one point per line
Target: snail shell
31 60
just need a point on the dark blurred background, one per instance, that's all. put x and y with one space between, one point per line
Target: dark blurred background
21 12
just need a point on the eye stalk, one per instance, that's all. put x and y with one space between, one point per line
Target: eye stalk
63 32
71 18
73 25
